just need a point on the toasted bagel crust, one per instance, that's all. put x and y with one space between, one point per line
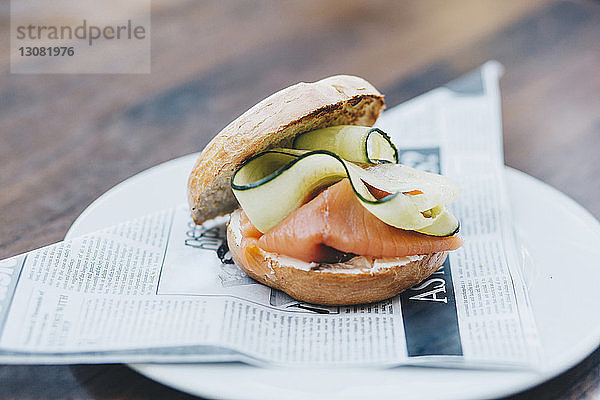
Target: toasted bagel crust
329 284
275 121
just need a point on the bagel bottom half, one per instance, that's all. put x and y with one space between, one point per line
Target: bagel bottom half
359 280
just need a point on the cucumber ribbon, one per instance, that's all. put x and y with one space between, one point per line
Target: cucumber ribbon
272 184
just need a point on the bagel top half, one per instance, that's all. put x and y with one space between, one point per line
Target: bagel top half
275 122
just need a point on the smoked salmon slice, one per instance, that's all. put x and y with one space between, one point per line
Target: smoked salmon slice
335 222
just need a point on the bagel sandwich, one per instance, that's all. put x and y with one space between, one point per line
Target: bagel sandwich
320 207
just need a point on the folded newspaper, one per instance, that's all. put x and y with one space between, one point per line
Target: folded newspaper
161 289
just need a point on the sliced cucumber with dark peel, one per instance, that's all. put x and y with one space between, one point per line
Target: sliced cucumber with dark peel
436 189
274 183
445 224
359 144
288 177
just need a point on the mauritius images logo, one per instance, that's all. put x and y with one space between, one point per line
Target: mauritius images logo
80 36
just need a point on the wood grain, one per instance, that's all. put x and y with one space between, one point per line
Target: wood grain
65 139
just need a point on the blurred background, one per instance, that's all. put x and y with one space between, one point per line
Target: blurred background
67 138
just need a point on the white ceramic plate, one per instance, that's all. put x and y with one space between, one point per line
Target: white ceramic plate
562 239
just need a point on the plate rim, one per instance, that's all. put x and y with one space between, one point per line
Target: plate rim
147 369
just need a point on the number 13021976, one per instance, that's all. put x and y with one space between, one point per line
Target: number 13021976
50 51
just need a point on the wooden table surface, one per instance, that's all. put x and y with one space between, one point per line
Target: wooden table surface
65 139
